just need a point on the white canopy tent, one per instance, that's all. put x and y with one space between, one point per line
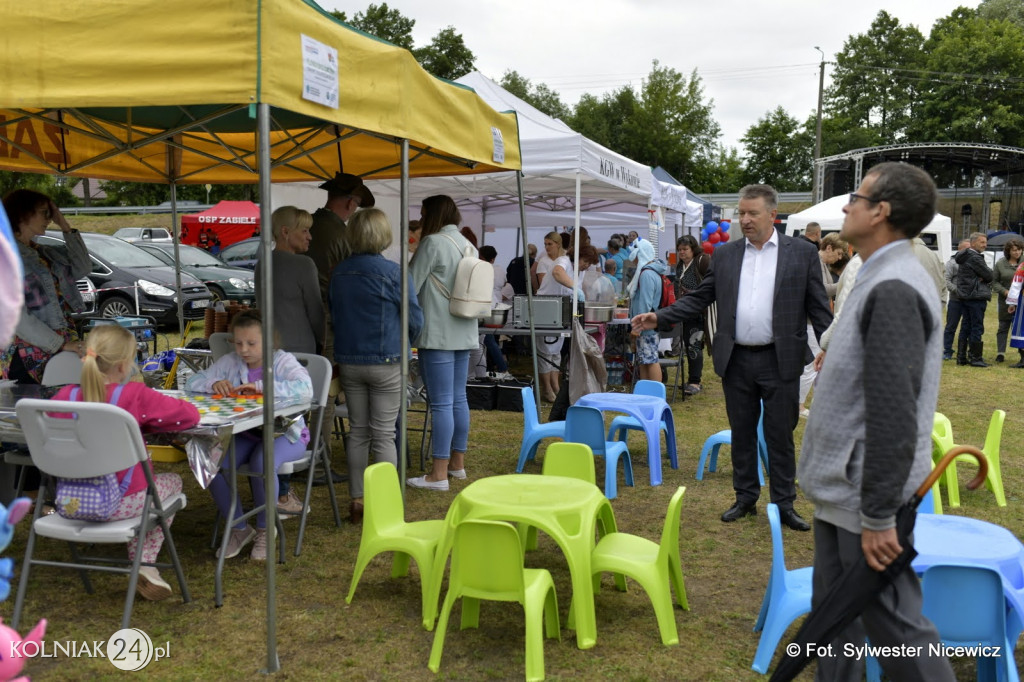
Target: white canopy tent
829 214
563 171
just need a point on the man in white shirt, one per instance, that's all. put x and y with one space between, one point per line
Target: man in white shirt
772 283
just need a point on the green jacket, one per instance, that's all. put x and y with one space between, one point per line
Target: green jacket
437 256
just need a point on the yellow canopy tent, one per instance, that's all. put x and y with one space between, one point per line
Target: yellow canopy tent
232 91
109 94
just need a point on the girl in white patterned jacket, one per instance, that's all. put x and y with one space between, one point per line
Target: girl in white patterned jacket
241 372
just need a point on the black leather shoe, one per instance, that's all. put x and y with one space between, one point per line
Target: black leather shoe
738 511
790 518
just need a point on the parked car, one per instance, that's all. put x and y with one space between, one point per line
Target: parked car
121 270
241 254
144 234
225 283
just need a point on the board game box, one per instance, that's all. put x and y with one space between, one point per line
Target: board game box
218 408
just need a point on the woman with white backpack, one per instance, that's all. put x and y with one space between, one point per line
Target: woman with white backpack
446 339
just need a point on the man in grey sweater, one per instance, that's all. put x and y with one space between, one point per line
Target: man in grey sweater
867 446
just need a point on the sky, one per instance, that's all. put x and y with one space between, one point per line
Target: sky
752 56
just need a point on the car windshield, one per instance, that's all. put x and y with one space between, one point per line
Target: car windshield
120 253
190 255
242 251
128 232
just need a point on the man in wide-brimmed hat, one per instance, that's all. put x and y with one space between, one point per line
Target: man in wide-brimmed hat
346 193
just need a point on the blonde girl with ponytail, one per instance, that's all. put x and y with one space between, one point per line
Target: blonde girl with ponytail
107 367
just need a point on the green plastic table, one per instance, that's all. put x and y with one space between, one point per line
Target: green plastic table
566 509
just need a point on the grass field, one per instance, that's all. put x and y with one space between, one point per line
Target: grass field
379 636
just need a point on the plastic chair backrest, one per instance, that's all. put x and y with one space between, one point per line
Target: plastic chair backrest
994 435
965 602
220 344
585 425
63 368
319 369
530 417
572 460
384 509
670 533
98 440
778 576
648 387
487 561
942 433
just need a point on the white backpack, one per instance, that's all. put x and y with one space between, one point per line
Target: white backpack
471 292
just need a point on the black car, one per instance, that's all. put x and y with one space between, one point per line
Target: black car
224 282
243 254
120 271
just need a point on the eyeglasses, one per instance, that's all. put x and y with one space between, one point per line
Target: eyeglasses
854 196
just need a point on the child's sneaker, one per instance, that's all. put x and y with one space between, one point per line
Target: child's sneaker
291 507
259 546
150 585
238 538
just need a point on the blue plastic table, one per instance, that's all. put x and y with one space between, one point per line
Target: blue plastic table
946 538
650 411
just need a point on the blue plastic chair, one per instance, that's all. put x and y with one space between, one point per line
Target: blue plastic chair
586 425
787 597
621 424
967 605
533 431
715 442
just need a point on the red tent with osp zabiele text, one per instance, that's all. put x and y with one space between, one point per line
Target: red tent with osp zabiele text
230 221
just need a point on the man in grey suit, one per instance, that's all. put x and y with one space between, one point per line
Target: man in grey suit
767 286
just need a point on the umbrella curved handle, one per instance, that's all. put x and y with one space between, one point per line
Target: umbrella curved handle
953 453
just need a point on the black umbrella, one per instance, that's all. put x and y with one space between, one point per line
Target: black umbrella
857 587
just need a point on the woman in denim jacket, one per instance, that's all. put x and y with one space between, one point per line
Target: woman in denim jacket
51 294
444 342
366 298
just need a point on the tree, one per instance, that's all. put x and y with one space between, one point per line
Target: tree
1011 10
779 152
155 193
540 96
876 81
976 78
673 126
385 23
725 171
604 120
57 189
447 55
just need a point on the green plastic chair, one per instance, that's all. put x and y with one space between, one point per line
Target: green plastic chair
653 566
487 563
942 441
385 530
572 460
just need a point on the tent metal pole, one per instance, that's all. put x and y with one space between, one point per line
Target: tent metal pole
177 260
403 259
529 288
576 251
267 276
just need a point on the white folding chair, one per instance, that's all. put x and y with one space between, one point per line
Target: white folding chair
220 344
100 439
63 368
320 372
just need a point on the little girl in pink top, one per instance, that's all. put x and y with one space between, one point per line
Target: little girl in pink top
109 363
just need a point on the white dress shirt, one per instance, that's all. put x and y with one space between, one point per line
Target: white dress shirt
757 293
